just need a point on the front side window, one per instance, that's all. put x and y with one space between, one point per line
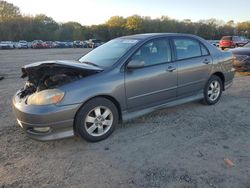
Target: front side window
188 48
154 52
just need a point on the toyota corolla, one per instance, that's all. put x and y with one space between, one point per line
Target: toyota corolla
124 78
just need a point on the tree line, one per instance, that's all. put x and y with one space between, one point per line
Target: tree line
15 26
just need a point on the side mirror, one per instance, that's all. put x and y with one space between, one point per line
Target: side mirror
135 64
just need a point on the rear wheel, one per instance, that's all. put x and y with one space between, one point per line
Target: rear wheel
97 119
213 90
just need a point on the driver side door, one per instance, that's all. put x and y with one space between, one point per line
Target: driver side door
154 83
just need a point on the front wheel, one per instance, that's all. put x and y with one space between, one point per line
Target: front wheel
213 90
97 119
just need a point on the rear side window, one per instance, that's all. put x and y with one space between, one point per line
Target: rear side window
227 38
188 48
154 52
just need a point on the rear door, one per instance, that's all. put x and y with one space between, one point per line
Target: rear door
194 65
156 82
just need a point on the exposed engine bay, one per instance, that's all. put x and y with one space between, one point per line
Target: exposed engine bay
52 75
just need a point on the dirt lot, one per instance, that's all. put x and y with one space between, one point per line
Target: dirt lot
183 146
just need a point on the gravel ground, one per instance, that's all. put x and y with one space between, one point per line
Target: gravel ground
184 146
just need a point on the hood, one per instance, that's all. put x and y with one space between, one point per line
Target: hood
53 74
241 51
34 67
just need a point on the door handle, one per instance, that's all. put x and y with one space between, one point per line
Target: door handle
206 61
171 69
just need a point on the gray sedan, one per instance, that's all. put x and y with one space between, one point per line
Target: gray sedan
124 78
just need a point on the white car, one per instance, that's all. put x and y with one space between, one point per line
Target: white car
6 45
22 44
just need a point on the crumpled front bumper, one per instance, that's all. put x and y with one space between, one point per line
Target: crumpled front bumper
59 120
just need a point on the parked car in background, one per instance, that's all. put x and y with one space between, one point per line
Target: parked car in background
37 44
59 44
22 44
48 44
29 44
242 58
56 44
93 43
7 45
124 78
232 42
70 44
244 40
77 44
85 44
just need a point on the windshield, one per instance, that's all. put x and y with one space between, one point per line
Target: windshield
109 53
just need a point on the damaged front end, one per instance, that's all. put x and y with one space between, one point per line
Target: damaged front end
49 75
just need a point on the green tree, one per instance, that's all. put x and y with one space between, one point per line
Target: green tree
134 24
14 26
244 29
100 32
70 31
43 27
8 11
116 21
116 26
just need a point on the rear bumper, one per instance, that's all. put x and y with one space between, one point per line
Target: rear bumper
58 121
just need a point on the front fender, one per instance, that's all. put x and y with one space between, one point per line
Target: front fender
101 84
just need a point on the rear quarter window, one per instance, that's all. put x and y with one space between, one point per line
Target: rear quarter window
187 48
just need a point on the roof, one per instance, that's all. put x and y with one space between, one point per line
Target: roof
152 35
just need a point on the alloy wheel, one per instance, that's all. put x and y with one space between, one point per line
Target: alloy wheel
214 90
98 121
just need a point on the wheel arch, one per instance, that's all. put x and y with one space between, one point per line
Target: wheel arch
112 99
221 76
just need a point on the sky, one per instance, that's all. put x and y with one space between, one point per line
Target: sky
90 12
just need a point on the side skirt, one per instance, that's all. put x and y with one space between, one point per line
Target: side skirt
126 116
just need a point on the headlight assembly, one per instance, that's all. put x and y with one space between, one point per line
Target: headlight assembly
49 96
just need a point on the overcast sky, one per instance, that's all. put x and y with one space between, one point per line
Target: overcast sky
88 12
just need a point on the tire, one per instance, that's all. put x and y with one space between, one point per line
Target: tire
95 127
209 91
